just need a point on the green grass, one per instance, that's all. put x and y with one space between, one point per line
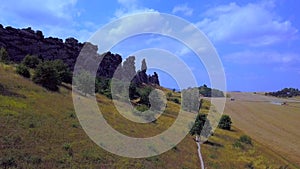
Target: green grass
39 129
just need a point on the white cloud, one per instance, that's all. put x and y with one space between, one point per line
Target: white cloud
54 12
184 9
55 18
267 57
252 24
183 51
127 3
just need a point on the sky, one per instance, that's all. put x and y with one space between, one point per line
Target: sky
257 41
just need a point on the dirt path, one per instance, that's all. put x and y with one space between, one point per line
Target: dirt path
275 126
199 152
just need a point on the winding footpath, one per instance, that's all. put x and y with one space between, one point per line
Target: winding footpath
199 152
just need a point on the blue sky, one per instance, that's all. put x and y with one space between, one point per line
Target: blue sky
257 41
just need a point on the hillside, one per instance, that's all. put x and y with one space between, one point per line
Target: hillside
39 129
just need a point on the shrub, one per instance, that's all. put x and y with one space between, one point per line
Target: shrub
198 126
63 71
33 159
142 108
31 61
237 144
225 122
47 76
245 139
249 165
144 95
8 162
4 57
23 71
66 146
83 81
175 100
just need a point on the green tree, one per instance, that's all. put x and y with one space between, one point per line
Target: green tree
63 71
199 125
144 95
47 76
23 71
84 82
31 61
133 94
4 57
225 122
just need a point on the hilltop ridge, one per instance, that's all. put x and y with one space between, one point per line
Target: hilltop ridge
22 42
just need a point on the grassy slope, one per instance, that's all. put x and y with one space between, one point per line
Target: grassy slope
39 129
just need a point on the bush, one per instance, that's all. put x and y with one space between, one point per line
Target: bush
63 71
4 57
225 122
31 61
83 81
249 165
23 71
47 76
237 144
8 162
197 127
144 95
245 139
142 108
175 100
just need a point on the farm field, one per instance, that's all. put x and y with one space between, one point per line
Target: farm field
275 126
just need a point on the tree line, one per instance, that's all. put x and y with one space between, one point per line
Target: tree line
286 92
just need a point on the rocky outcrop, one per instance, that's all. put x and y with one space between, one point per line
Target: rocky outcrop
21 42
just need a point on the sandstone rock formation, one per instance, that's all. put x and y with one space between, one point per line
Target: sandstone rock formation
21 42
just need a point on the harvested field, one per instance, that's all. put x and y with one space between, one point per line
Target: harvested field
275 126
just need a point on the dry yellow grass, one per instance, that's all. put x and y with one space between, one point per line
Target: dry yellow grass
275 126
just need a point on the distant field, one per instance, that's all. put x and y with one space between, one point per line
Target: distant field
275 126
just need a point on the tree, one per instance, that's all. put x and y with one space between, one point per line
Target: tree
198 125
144 95
84 82
23 71
133 94
63 71
225 122
31 61
47 76
4 57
